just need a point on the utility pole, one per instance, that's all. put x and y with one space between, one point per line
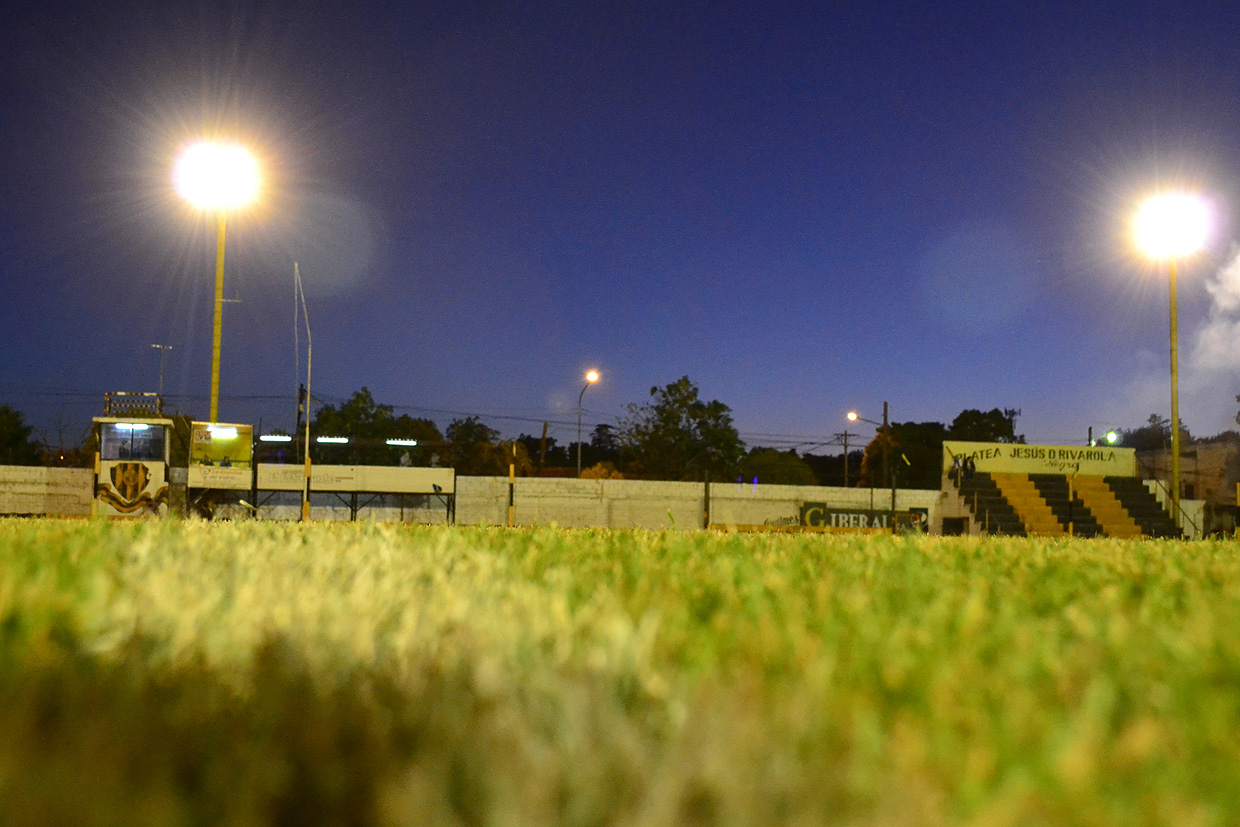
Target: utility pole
887 440
163 349
844 437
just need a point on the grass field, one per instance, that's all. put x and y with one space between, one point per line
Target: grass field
166 673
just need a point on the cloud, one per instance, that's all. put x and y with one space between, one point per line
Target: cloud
1216 346
1209 376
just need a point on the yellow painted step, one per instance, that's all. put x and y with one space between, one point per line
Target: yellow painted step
1109 511
1030 506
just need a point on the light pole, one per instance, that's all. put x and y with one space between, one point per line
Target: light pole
1168 227
217 178
591 378
887 478
163 349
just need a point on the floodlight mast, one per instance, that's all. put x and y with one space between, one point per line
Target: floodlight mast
217 177
1167 227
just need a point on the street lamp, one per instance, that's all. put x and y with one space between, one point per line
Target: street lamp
853 417
591 378
1110 437
1168 227
217 178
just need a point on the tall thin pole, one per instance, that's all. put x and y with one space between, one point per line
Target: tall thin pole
219 314
300 294
1175 408
580 396
891 517
846 435
163 349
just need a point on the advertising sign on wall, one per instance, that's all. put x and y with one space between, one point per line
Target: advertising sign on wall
998 457
821 515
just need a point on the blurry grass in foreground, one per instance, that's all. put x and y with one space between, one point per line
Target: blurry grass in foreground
254 673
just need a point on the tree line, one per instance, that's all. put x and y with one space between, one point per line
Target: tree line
673 435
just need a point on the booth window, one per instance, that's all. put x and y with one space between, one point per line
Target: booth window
131 441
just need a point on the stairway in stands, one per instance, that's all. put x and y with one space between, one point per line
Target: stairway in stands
1143 507
1114 518
1050 505
990 508
1072 511
1029 504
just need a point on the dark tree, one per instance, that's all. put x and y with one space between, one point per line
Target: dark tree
556 455
915 458
677 436
470 448
368 425
829 468
1153 435
17 446
604 445
773 467
991 426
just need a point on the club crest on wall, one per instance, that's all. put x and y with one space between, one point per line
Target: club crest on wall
127 492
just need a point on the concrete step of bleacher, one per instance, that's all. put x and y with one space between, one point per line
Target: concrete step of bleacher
1068 508
993 513
1029 505
1142 506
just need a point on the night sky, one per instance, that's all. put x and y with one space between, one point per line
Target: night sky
806 208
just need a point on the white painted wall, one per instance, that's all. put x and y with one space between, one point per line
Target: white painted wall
62 492
660 505
579 503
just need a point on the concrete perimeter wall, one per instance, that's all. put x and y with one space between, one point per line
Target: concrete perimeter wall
58 492
484 500
663 505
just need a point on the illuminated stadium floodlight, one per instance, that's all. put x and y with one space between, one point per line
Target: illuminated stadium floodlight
1171 225
591 378
217 177
1167 227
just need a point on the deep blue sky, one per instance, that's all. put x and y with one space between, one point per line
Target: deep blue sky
806 208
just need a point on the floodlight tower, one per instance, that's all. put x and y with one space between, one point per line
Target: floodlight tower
217 177
1168 227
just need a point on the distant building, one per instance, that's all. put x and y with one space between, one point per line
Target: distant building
1209 471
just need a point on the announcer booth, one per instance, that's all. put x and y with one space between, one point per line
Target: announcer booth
221 470
131 467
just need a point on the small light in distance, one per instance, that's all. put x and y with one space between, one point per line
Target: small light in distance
852 416
1112 437
409 442
338 440
592 376
275 438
